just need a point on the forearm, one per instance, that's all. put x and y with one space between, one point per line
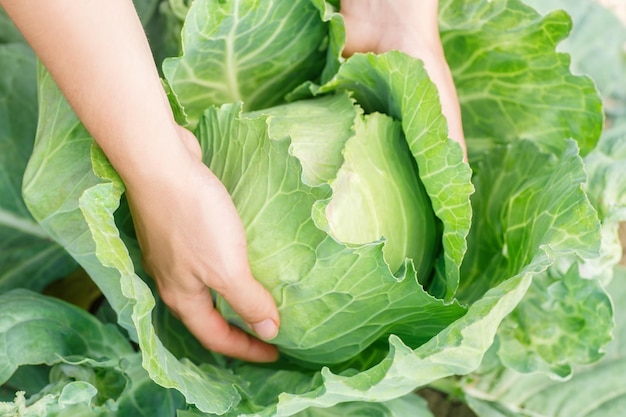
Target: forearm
99 56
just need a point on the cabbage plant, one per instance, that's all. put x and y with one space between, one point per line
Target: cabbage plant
394 263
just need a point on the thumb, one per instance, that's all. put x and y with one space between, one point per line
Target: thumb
255 305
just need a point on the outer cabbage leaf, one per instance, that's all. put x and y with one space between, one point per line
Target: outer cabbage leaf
511 82
63 192
563 320
38 330
58 172
28 256
606 164
73 399
409 405
592 391
535 337
92 369
530 208
336 37
596 46
455 351
532 213
496 390
250 51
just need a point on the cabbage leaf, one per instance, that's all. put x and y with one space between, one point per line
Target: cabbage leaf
412 284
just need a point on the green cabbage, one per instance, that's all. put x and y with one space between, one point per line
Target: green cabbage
393 262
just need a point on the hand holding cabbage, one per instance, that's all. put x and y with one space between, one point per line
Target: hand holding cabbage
186 256
380 322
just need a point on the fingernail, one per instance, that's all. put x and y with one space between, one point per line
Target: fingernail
265 329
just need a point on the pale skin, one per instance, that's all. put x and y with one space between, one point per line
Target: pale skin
190 234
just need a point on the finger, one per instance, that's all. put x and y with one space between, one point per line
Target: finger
254 304
211 329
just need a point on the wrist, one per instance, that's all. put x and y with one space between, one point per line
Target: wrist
160 160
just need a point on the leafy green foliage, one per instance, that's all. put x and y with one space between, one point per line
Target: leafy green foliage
393 263
511 83
544 187
30 259
94 369
598 387
239 56
563 320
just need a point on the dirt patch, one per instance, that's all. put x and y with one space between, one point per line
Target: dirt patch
442 406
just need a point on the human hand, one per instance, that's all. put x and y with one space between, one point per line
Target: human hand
192 242
412 27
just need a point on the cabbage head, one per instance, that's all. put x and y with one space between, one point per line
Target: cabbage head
394 263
